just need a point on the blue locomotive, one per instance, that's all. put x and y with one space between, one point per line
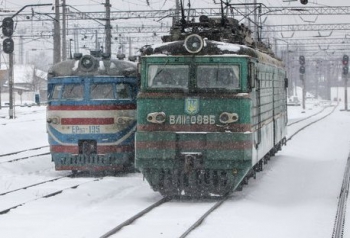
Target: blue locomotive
91 113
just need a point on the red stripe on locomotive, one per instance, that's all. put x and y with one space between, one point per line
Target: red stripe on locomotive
205 145
100 149
87 121
92 107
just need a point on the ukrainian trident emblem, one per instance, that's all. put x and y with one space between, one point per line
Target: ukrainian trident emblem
192 106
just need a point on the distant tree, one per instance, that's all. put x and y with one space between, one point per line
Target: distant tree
42 61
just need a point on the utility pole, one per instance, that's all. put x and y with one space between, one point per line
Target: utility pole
97 43
21 50
10 75
177 12
57 34
130 47
8 47
345 92
64 31
345 77
108 28
302 72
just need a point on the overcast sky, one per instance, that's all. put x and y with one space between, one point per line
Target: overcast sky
96 5
129 5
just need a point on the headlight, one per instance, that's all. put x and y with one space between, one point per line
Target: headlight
88 63
124 120
227 117
156 117
194 43
53 120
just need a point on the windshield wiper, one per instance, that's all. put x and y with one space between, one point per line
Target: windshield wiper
161 70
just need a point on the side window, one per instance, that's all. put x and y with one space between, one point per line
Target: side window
73 91
101 91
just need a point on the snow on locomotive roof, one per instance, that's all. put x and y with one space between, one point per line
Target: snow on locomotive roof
89 65
229 47
210 47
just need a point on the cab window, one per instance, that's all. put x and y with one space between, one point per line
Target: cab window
218 76
101 91
73 92
168 76
124 91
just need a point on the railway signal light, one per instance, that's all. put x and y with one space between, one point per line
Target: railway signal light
8 45
7 26
345 62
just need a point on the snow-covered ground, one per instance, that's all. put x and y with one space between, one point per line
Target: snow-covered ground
27 130
295 196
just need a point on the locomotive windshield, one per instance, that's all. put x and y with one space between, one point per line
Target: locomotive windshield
124 91
97 91
218 76
168 76
73 92
210 76
101 91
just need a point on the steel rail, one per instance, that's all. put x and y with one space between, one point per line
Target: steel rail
21 151
202 218
39 183
305 118
23 158
219 203
338 229
5 211
135 217
302 128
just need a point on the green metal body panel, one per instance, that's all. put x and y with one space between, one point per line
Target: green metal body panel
231 149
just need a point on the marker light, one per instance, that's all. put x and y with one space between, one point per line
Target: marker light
156 117
227 117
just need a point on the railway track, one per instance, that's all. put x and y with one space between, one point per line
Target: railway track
198 222
338 229
306 118
168 210
27 195
138 218
299 129
135 217
28 153
39 183
21 151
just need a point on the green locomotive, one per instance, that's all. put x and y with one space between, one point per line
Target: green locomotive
211 110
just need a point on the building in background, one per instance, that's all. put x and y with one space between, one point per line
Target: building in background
29 85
